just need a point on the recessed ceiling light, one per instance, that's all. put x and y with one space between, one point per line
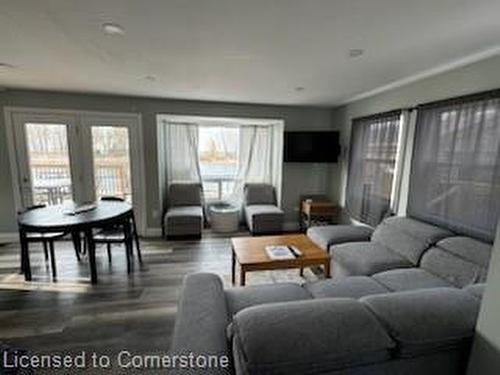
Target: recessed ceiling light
299 88
356 52
112 29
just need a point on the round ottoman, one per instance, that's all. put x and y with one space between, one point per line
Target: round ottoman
224 217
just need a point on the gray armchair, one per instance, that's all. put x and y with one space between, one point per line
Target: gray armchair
261 211
184 216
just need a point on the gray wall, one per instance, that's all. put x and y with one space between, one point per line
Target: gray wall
297 178
477 77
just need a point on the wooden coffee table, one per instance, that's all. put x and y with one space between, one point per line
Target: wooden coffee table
250 254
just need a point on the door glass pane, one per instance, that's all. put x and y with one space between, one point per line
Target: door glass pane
49 166
110 146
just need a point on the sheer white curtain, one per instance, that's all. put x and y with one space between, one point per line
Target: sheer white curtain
182 162
260 158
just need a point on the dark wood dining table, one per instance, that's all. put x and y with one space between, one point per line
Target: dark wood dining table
57 218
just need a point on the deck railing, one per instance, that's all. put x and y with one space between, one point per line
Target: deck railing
52 181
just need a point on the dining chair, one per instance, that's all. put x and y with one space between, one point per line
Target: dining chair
47 240
115 234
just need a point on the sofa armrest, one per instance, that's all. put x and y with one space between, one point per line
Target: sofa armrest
201 323
330 235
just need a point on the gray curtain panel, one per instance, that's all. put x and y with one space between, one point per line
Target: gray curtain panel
455 176
374 142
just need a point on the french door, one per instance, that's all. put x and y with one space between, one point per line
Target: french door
77 156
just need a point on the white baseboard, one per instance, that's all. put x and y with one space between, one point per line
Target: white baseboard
8 237
153 232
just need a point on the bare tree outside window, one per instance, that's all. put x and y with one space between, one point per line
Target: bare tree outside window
47 146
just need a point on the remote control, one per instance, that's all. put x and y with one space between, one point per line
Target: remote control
296 251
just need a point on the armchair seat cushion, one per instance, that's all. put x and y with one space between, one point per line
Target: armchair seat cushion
329 235
409 279
184 220
264 218
364 259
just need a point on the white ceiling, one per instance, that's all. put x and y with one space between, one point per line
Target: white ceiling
254 51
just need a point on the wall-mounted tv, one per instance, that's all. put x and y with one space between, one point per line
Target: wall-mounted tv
311 147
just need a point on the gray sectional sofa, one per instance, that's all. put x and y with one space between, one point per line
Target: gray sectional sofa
414 314
404 252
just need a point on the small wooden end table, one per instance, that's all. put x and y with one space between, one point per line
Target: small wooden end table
250 254
313 210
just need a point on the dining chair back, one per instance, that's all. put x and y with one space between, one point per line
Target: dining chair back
115 233
46 239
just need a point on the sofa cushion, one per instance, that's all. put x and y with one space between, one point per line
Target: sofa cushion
184 213
428 320
185 220
468 248
476 290
259 194
452 268
188 194
408 237
366 258
409 279
325 236
349 287
240 298
427 232
327 334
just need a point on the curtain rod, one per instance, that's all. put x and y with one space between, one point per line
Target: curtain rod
394 112
491 94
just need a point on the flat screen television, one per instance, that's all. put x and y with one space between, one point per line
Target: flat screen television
311 147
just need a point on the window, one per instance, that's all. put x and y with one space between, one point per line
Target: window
111 154
455 177
49 164
222 153
374 143
218 158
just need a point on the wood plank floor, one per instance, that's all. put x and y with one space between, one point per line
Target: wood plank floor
134 312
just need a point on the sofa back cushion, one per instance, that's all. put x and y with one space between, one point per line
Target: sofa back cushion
408 237
472 250
259 194
187 194
459 260
315 336
426 321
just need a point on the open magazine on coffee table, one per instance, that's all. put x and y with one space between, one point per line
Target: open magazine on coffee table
282 252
